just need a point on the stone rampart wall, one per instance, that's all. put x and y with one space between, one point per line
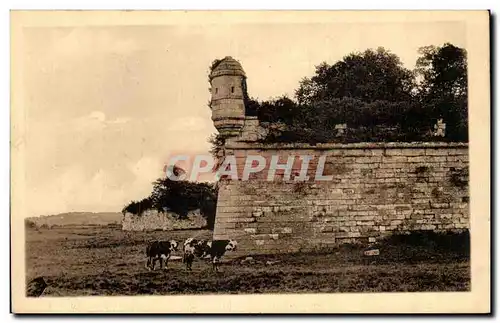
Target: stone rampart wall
374 190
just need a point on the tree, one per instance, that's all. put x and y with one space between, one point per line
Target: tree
443 87
375 96
364 90
282 109
138 207
217 144
179 197
252 105
368 76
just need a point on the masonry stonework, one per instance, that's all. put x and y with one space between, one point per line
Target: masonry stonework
375 189
152 220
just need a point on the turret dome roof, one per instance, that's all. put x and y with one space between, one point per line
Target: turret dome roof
227 66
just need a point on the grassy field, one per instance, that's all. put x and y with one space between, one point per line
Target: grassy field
77 218
103 260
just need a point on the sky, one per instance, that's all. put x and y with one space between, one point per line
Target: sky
105 106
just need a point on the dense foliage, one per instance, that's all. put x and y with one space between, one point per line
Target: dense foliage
443 90
179 197
368 76
376 97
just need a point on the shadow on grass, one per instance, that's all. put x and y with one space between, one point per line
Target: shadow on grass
400 248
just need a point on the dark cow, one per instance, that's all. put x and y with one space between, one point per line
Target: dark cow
194 248
203 249
159 250
218 249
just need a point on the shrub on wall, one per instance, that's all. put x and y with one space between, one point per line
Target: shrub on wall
138 207
29 224
179 197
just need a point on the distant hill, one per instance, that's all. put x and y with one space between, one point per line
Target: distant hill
78 218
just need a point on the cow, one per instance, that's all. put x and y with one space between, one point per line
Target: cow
218 249
194 248
159 250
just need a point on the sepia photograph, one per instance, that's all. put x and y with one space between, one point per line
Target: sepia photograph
336 154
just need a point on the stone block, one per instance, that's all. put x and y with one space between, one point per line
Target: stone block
234 220
394 159
226 225
457 159
365 217
440 205
418 159
436 152
460 151
436 159
413 152
368 160
257 214
396 222
350 152
393 152
327 228
365 223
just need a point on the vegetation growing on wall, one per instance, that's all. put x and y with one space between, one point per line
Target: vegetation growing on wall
178 197
217 142
377 98
459 177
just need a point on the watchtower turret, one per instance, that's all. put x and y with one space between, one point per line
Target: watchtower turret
228 86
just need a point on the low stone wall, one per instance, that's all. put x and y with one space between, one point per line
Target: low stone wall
152 220
376 189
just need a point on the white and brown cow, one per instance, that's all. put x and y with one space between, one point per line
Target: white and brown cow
203 250
194 248
218 249
159 250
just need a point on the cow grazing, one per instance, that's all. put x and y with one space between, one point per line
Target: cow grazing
203 250
218 249
194 248
159 250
